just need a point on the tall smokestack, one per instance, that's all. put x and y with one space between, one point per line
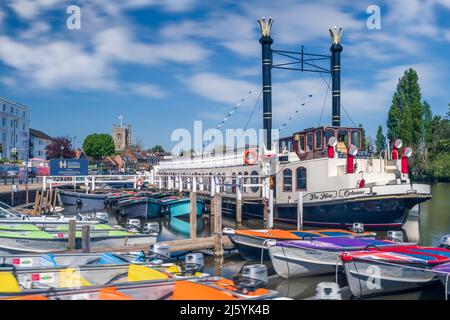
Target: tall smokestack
336 50
266 43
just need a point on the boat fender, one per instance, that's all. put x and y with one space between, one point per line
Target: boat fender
250 157
79 203
362 183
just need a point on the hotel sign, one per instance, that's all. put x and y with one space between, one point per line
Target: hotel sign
69 167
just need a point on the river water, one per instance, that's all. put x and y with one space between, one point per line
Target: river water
426 227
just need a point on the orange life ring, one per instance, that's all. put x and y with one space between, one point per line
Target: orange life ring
250 157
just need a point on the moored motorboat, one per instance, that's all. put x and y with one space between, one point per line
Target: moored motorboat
251 244
443 272
176 206
145 283
85 201
303 258
43 242
386 270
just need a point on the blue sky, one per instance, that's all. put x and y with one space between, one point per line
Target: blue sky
165 63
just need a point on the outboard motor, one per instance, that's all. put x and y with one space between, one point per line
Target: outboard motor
358 227
251 278
134 223
396 236
328 291
159 251
102 217
151 227
194 262
79 204
445 242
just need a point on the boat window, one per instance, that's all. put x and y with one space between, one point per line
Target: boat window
301 143
328 134
342 141
245 181
287 180
301 178
309 141
318 139
356 138
254 181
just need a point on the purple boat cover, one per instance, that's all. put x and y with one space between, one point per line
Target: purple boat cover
336 243
445 268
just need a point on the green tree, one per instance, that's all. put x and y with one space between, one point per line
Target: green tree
380 141
158 148
406 115
99 146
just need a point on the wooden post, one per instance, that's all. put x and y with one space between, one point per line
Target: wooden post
27 193
270 210
86 239
300 211
238 204
193 218
218 249
72 234
54 200
36 202
12 195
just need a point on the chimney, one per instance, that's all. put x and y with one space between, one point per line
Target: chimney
266 43
336 49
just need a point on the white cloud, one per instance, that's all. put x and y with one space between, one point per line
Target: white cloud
55 65
148 90
216 88
29 9
118 43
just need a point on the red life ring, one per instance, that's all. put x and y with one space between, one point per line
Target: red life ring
250 157
140 182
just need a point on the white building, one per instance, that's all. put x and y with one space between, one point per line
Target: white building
14 127
38 142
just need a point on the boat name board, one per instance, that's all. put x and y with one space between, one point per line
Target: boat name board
343 193
347 193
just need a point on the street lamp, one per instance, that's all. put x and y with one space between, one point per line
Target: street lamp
62 151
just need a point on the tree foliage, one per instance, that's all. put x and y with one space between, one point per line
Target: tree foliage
60 147
158 148
99 146
380 141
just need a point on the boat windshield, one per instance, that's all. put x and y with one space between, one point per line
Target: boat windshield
7 212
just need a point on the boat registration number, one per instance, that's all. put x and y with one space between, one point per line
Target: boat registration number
22 262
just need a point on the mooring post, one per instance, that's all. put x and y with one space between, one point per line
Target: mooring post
86 239
300 211
213 186
160 183
72 234
238 203
193 217
201 184
180 184
270 211
218 249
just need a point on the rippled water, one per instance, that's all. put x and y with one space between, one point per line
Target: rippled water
427 228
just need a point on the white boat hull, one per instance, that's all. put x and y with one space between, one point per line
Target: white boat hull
368 278
297 262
